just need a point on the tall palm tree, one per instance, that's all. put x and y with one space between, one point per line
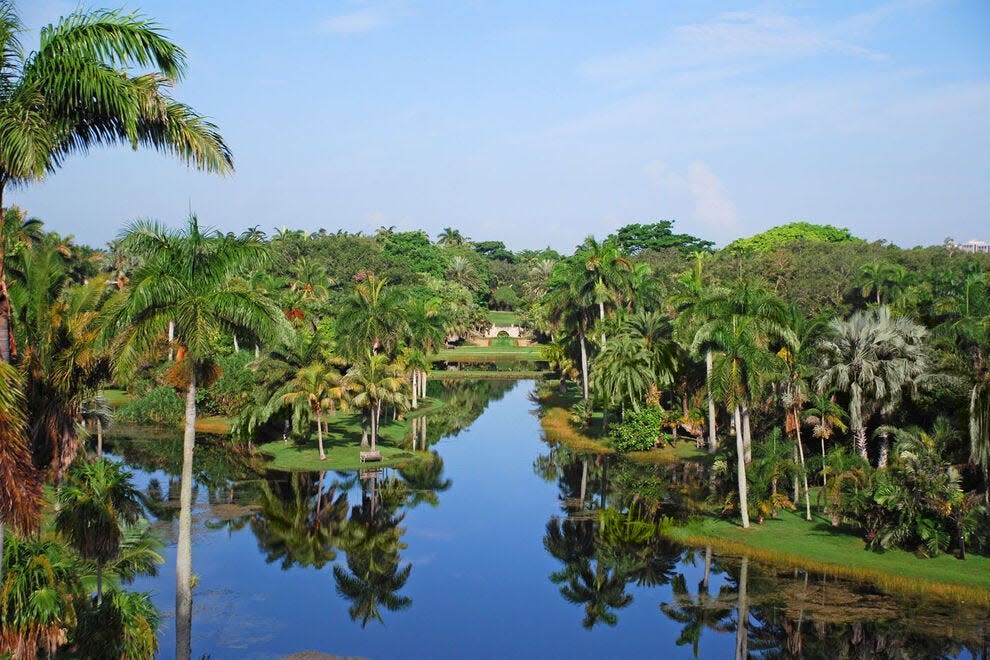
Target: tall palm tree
316 388
375 381
97 501
872 357
451 237
605 275
77 91
370 318
569 304
824 416
189 276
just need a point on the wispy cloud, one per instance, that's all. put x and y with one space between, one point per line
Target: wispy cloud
364 20
712 206
733 39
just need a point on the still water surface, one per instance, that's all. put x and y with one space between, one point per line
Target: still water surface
498 550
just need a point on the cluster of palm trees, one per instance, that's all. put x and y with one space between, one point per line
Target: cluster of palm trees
742 348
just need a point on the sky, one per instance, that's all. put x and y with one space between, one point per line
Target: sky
539 123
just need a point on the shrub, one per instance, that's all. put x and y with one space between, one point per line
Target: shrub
161 407
639 431
233 387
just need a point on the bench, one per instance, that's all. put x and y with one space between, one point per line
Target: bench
370 456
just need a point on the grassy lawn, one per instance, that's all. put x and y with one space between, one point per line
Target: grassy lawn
818 546
503 318
469 354
117 398
473 374
342 445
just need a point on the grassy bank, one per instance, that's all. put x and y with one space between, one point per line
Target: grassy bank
473 354
475 374
817 546
503 318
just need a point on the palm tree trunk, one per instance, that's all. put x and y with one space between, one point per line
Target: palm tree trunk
584 480
183 557
99 583
747 437
237 347
422 378
807 495
171 339
708 569
364 430
99 438
859 436
584 362
712 437
601 311
374 426
415 388
884 451
824 476
319 435
1 535
741 472
795 487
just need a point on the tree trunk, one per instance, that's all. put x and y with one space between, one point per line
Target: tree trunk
415 390
374 426
824 475
257 351
364 430
747 438
422 379
859 437
584 480
795 487
99 583
712 437
237 347
601 311
584 362
807 495
171 339
741 472
183 557
708 569
1 543
884 451
99 438
319 435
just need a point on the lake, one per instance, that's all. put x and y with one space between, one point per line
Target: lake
500 547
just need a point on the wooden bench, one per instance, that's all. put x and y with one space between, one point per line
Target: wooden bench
370 456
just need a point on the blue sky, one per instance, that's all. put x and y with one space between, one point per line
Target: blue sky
541 122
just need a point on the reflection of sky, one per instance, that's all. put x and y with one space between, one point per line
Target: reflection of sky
480 580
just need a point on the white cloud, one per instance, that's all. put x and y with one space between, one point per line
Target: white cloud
362 21
699 188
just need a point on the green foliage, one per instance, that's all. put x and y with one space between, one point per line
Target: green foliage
160 407
639 430
658 236
414 250
232 389
503 341
790 233
504 297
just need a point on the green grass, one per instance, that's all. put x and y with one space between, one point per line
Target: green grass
117 398
342 445
816 545
503 318
474 374
470 354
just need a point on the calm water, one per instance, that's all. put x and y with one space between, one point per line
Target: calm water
499 550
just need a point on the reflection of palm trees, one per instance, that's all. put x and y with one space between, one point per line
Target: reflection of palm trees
599 589
696 613
425 480
297 526
374 540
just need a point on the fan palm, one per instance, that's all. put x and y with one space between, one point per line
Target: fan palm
873 358
76 92
189 276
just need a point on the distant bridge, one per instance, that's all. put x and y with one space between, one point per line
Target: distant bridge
510 330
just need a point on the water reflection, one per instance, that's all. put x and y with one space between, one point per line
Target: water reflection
358 548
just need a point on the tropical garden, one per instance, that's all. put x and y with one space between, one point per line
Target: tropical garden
800 370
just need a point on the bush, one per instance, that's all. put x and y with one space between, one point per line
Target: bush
639 431
232 389
161 407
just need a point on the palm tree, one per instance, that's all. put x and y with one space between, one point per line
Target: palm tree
696 613
96 409
979 432
873 279
316 387
375 381
824 416
20 483
451 237
568 305
98 499
605 274
873 358
189 276
76 92
369 319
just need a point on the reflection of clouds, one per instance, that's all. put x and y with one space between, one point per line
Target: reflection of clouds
236 627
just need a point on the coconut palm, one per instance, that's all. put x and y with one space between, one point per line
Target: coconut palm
605 274
568 307
599 589
370 318
77 91
451 237
696 613
97 501
316 388
375 381
873 280
96 409
189 276
873 358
